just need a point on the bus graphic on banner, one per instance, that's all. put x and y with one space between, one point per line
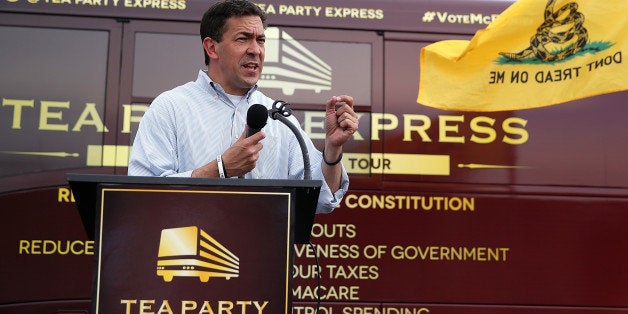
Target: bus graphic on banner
191 252
289 66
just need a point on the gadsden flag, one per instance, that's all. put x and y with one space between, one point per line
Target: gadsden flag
536 53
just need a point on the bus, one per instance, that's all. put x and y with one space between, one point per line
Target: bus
448 211
191 252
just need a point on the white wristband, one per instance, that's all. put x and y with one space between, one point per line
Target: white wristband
221 167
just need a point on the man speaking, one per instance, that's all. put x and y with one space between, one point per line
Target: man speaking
199 129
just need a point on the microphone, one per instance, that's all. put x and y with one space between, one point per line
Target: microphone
256 118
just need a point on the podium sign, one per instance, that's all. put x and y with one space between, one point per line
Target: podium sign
176 248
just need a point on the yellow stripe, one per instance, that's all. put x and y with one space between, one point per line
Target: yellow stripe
407 164
94 156
108 155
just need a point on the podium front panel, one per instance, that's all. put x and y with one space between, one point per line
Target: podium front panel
195 250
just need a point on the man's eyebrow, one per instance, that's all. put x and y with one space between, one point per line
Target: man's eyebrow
251 35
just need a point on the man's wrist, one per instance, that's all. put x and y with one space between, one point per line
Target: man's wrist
221 167
334 161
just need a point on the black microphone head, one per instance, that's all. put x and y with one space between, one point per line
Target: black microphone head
256 118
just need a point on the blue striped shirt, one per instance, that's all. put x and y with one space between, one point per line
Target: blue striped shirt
188 126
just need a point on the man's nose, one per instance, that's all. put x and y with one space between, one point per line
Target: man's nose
254 48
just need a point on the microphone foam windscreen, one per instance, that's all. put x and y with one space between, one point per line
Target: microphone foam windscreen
256 116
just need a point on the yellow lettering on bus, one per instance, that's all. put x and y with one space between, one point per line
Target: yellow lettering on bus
382 122
46 114
448 126
128 117
96 121
17 104
409 121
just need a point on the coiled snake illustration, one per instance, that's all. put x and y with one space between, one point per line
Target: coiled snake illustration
544 34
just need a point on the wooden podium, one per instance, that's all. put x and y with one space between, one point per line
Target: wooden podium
175 245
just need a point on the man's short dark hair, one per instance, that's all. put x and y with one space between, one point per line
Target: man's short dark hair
214 22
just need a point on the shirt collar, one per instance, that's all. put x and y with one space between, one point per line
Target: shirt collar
217 90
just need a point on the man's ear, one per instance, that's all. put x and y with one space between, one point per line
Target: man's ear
210 47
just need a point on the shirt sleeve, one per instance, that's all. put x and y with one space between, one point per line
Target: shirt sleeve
154 148
327 200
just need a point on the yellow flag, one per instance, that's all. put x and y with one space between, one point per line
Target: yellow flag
536 53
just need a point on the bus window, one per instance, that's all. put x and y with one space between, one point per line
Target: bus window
53 86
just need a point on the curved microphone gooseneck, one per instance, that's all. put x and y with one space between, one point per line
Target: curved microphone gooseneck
279 111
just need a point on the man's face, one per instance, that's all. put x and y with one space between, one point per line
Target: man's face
240 55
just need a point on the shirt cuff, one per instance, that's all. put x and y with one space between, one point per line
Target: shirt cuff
327 200
186 174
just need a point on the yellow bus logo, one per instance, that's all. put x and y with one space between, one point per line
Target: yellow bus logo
191 252
290 66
